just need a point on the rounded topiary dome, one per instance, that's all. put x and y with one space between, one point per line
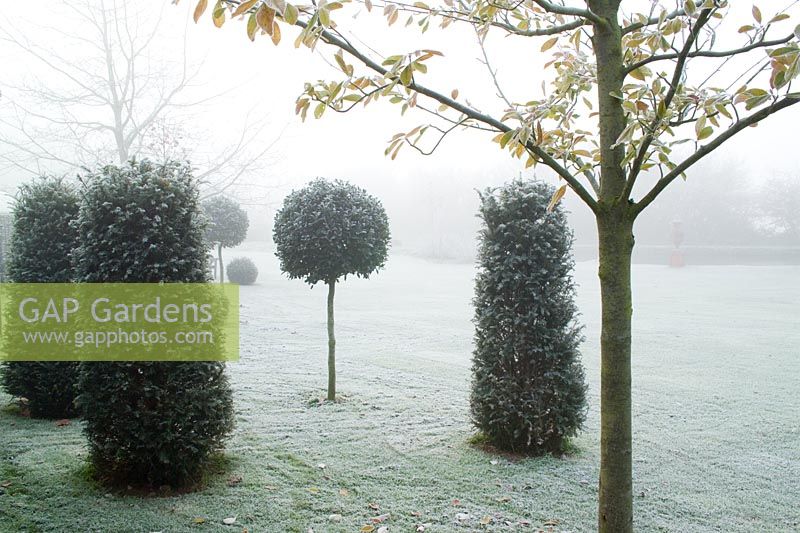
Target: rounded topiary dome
242 270
331 229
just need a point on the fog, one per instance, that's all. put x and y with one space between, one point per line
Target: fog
234 119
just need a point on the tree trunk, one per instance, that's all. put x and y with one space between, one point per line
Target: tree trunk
221 266
331 344
615 512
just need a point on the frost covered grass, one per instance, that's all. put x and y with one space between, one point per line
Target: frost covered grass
716 428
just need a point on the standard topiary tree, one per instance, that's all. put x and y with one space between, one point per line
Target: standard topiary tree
242 270
528 389
42 239
325 232
227 226
148 423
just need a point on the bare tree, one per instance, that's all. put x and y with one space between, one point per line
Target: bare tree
113 97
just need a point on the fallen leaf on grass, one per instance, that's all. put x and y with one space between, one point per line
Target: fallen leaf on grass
313 490
199 520
374 506
63 422
486 520
504 499
380 519
456 502
5 484
552 522
416 513
344 492
229 521
369 528
234 480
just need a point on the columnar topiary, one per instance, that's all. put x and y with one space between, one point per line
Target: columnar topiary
227 226
243 271
528 389
148 423
42 239
326 231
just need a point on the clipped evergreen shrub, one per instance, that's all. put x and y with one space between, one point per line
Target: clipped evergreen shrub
42 239
242 270
227 225
327 231
528 389
148 423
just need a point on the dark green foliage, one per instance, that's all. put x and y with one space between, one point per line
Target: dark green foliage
154 423
42 239
141 223
528 389
243 271
227 221
149 423
329 230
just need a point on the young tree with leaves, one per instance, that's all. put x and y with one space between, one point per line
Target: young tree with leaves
227 226
622 97
327 231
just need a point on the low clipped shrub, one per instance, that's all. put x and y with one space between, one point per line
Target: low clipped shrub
148 423
528 389
242 270
42 239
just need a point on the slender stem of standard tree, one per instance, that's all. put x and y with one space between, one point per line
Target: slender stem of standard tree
221 266
615 231
331 344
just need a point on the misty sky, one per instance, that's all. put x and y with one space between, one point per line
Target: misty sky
258 83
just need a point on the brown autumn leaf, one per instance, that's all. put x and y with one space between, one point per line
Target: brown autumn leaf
63 422
200 9
374 506
234 480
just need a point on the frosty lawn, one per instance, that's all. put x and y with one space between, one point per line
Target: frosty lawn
716 403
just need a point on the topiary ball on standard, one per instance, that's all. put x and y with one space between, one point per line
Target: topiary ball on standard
148 423
227 226
242 270
42 239
528 389
326 231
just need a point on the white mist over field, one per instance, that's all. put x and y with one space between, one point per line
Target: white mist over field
234 118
